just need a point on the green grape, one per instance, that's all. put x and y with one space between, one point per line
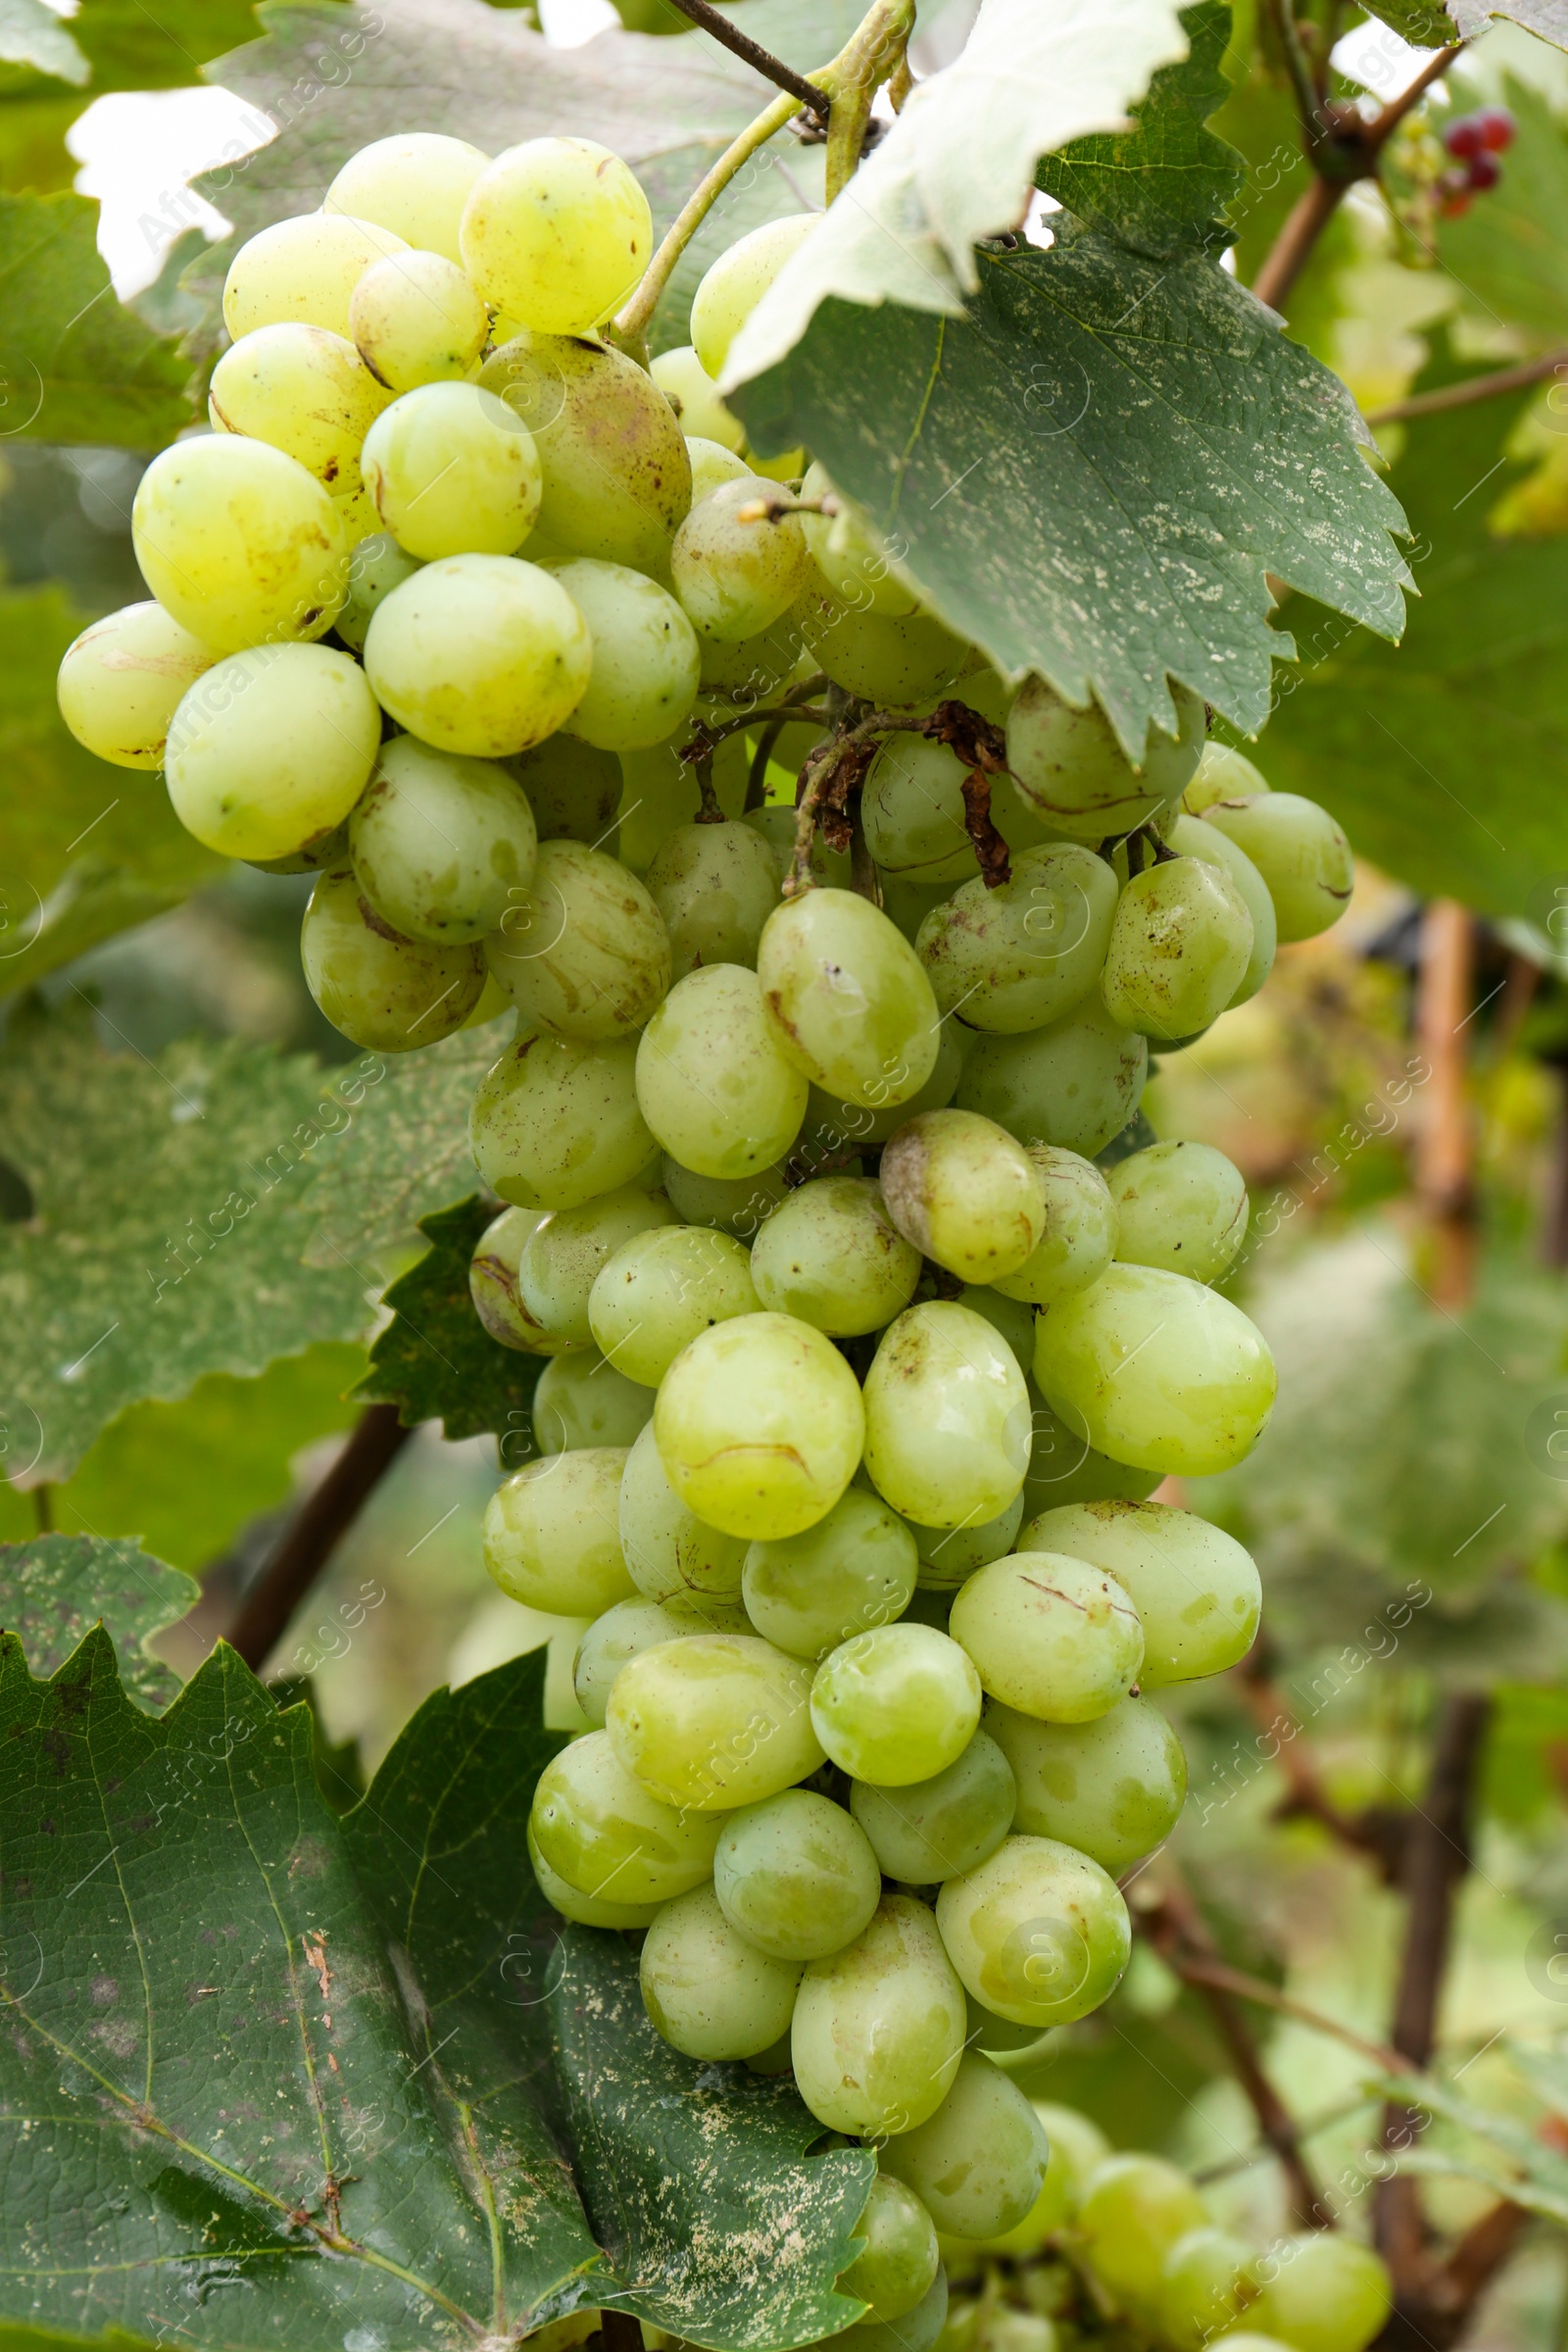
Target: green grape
1181 1207
238 543
736 282
1222 774
583 1401
302 390
979 2163
907 905
913 809
1112 1787
964 1193
601 1831
1300 851
882 656
759 1426
660 1289
1180 945
304 269
776 824
896 2269
549 1534
1064 1468
1072 769
1193 1586
1037 1933
1190 837
493 1284
854 1569
710 1992
737 1204
415 319
852 555
269 749
892 1704
555 1123
713 461
1157 1370
1020 957
568 1249
645 669
716 887
1323 2293
616 476
416 184
831 1255
843 1123
673 1554
935 1829
713 1721
1080 1237
384 991
736 573
376 565
582 951
713 1079
949 1555
452 472
1050 1635
1207 2280
492 1005
572 789
1075 1084
918 2331
1133 2210
879 2026
1076 2146
479 654
1247 2339
660 793
794 1876
440 843
556 233
847 999
694 396
122 679
588 1910
629 1628
946 1417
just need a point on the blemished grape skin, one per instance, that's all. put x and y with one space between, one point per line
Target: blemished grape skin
693 394
415 319
122 679
1038 1932
1049 1634
879 2026
936 1829
601 1832
946 1417
894 1704
759 1426
979 2163
913 810
238 542
1020 957
735 285
629 1627
583 1401
1223 773
414 183
452 472
555 1123
710 1992
549 1534
588 1910
660 1289
381 990
736 574
964 1192
440 842
1190 837
1300 851
714 1081
493 1284
1328 2297
581 951
555 233
1195 1588
1133 2208
1075 1084
847 998
1070 766
713 1721
1181 1207
795 1876
900 2257
302 390
853 1570
646 666
716 887
302 268
1180 944
670 1553
831 1255
479 654
376 565
1079 1241
1113 1787
568 1249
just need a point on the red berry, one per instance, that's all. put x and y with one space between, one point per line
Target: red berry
1452 207
1485 173
1453 192
1464 138
1497 128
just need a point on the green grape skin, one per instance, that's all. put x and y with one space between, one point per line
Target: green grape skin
388 993
1050 1635
693 394
716 887
304 269
776 824
376 565
238 542
1071 768
949 1555
572 789
794 1876
1190 837
1323 2293
601 1829
759 1426
909 906
895 2269
918 2331
556 233
1133 2210
708 1993
735 1204
964 1193
660 793
853 1570
555 1123
713 1079
734 574
567 1250
1037 1933
616 473
646 664
1181 1207
1012 1319
946 1417
271 749
913 810
977 2165
1207 2280
302 390
1302 855
414 183
629 1628
846 998
587 1910
1156 1370
851 554
1080 1237
736 282
885 658
671 1554
479 654
583 1401
712 462
493 1283
1180 945
713 1721
1193 1586
581 951
1076 2146
1064 1468
878 2027
1112 1787
1075 1084
415 319
1020 957
661 1289
843 1123
452 472
122 679
549 1534
938 1828
831 1255
896 1703
439 842
1223 773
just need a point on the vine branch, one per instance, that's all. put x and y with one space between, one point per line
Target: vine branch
308 1541
1474 387
631 322
761 60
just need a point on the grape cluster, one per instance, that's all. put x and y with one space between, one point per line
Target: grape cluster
1476 142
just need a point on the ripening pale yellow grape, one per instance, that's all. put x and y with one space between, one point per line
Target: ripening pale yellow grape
1023 955
794 1876
645 669
734 571
603 1832
302 390
582 951
979 2163
1112 1789
949 1555
1050 1635
712 464
414 183
1180 945
238 542
588 1910
1195 1590
964 1192
716 887
759 1426
1133 2208
570 1248
938 1828
691 392
1180 1205
660 1289
853 1570
1080 1236
1222 774
879 2026
1323 2296
710 1992
713 1079
555 1123
1300 851
452 472
1190 837
479 654
122 679
415 319
556 233
886 657
896 1704
913 809
304 269
271 749
854 558
831 1255
549 1534
847 998
1038 1932
946 1417
632 1625
737 281
900 2257
713 1721
1072 769
582 1400
671 1554
439 842
382 990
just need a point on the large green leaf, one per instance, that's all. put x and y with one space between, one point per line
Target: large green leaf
122 45
32 35
53 1588
74 364
435 1360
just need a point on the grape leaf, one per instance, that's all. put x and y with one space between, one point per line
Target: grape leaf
435 1360
32 35
1429 25
74 364
55 1588
123 45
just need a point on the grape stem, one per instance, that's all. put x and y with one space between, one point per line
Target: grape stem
1473 387
308 1541
630 326
763 61
710 813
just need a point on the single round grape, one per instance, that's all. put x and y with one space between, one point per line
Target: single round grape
549 1534
1071 767
1324 2293
1300 851
304 269
842 1124
913 809
1180 944
1064 1468
660 1289
302 390
238 542
616 476
1133 2210
440 842
1050 1635
736 282
693 394
1076 2146
894 1704
879 2026
847 999
918 2331
673 1554
556 233
416 320
1038 1932
645 669
935 1829
1020 957
452 472
899 2263
979 2163
1195 1588
794 1876
632 1625
884 657
1157 1370
1207 2280
572 789
716 887
1113 1787
376 565
1182 1207
583 1401
567 1250
760 1425
949 1555
493 1283
964 1192
416 184
1222 774
588 1910
1080 1237
946 1417
384 991
713 1721
1190 837
713 461
555 1123
831 1255
269 749
710 1992
737 1204
479 654
1075 1084
582 951
601 1831
713 1078
122 679
735 574
852 555
853 1570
